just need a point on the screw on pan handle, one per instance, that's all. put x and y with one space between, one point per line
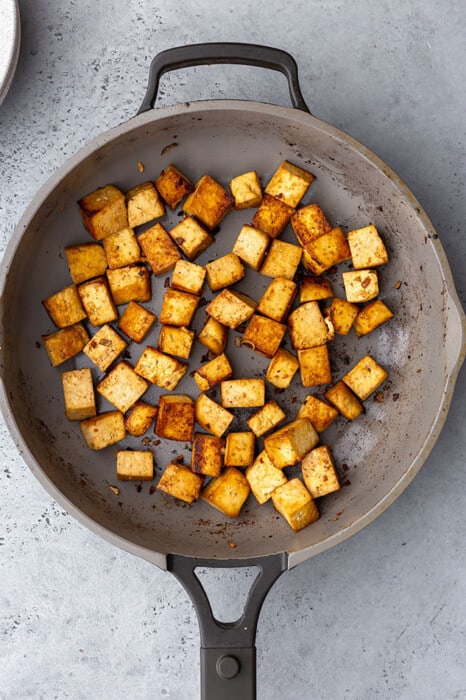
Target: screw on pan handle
213 53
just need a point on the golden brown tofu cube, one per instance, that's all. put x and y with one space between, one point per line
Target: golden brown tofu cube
251 246
178 308
365 377
341 314
176 341
175 417
64 344
213 372
188 277
131 283
367 248
144 204
266 418
122 386
282 260
227 492
160 369
135 465
314 366
288 445
307 326
272 216
371 317
103 430
104 347
310 264
211 416
104 211
209 202
326 251
246 190
282 368
277 299
239 449
263 335
207 454
85 261
161 252
242 393
78 392
97 301
319 472
294 502
230 308
213 336
344 400
136 321
264 478
191 237
290 183
315 289
320 413
180 482
122 248
139 418
65 307
173 186
361 285
309 223
224 271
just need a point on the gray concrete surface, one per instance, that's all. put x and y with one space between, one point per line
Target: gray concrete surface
381 616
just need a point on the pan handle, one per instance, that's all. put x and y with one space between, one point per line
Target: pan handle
228 652
213 53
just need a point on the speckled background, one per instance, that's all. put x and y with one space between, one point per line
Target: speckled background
381 616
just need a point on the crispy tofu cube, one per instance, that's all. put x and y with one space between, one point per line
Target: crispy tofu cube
211 416
98 302
65 307
227 492
230 308
326 251
178 308
242 393
161 252
103 430
272 216
135 465
176 341
224 271
160 369
131 283
104 347
319 472
277 299
307 326
344 400
180 482
239 449
213 336
78 392
320 413
263 335
315 289
314 366
365 377
310 264
136 321
266 418
361 285
104 211
139 418
122 248
294 502
371 317
251 246
282 368
144 204
282 260
290 183
213 372
367 248
188 277
173 186
264 478
207 454
341 314
175 417
309 223
288 445
191 237
64 344
85 261
122 386
246 190
209 202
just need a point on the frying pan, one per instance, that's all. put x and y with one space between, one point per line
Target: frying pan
422 348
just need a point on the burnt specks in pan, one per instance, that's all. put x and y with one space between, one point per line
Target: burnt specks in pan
168 148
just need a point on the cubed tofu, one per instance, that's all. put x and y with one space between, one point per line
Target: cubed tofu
97 301
246 190
213 336
307 326
173 186
122 248
78 392
367 248
319 473
360 285
290 183
175 417
130 283
224 271
272 216
85 261
309 223
239 449
341 314
144 204
277 299
371 317
209 202
282 368
104 211
326 251
191 237
264 478
65 307
104 347
282 260
213 372
266 418
315 289
160 369
64 344
161 252
211 416
344 400
207 454
263 335
122 386
227 492
103 430
136 321
242 393
176 341
180 482
251 246
135 465
294 502
139 418
230 308
178 308
188 277
288 445
365 377
319 412
314 366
